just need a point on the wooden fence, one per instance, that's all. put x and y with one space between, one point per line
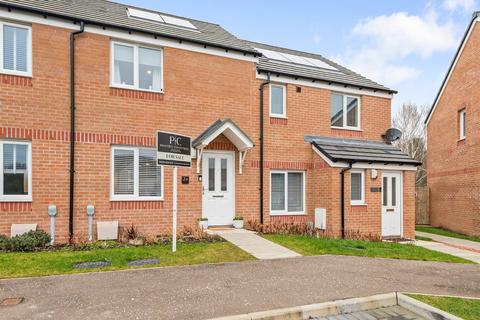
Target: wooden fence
422 215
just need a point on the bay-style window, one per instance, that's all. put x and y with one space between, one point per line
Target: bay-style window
357 187
135 174
15 171
136 67
344 111
278 104
15 49
287 192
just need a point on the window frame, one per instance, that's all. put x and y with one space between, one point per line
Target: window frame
283 115
285 211
27 73
136 78
362 200
136 177
462 119
23 197
345 112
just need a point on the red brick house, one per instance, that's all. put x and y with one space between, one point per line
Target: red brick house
453 125
277 134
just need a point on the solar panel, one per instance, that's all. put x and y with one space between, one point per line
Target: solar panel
155 17
287 57
178 22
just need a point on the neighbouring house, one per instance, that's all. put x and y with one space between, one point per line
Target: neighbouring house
278 135
453 155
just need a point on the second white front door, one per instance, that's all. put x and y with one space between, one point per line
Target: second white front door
218 187
392 204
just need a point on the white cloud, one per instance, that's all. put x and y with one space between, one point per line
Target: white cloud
381 45
452 5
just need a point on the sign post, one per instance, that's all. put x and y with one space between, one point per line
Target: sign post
173 150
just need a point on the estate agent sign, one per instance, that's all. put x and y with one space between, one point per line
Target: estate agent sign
173 149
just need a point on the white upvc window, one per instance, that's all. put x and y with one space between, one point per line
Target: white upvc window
136 67
287 192
15 49
357 187
15 171
462 124
135 175
278 101
345 111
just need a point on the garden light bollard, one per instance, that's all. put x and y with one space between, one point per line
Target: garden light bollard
90 212
52 212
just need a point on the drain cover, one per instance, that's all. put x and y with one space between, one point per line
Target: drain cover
143 262
9 302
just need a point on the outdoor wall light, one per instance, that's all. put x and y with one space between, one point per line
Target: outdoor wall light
374 173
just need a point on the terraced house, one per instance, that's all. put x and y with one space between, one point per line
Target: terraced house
278 135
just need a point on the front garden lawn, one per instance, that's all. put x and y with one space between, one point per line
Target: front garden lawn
309 246
447 233
468 309
15 264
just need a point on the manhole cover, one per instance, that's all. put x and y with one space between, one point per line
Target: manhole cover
95 264
9 302
137 263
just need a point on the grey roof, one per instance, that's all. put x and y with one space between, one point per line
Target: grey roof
450 69
351 150
108 13
214 127
343 76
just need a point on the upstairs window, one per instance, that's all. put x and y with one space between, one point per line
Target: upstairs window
15 171
136 67
15 53
278 101
462 122
344 111
135 174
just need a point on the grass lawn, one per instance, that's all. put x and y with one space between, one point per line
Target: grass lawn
447 233
14 265
468 309
423 238
309 246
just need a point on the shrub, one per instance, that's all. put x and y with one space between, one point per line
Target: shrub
26 242
132 233
238 218
3 242
189 234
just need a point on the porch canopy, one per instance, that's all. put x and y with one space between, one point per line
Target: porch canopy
230 130
340 150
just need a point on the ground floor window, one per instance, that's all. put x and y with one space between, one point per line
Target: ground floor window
135 174
287 192
15 171
357 187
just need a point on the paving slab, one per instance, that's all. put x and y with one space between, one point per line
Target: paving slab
388 313
454 251
461 243
257 246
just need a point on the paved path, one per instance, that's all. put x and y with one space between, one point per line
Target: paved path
252 243
207 291
388 313
463 248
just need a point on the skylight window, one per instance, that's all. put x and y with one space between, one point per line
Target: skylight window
286 57
155 17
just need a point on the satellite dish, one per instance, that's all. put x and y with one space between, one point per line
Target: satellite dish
392 134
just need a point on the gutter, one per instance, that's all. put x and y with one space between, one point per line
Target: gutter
72 127
128 29
342 200
262 144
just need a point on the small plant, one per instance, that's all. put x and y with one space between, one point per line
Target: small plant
202 219
238 218
132 233
25 242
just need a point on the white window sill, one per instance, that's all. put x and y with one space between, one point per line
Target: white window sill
283 213
16 199
353 204
461 139
119 86
346 128
16 73
137 199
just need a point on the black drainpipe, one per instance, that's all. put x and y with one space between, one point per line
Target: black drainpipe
342 174
72 127
261 145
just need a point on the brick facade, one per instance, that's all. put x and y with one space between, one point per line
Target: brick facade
198 89
453 164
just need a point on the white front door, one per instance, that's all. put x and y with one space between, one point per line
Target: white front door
218 188
392 204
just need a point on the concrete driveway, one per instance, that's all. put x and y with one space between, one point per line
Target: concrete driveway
205 291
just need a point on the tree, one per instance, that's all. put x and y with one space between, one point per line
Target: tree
410 119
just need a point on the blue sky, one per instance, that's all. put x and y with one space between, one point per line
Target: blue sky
404 44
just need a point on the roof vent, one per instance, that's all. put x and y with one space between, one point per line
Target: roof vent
392 135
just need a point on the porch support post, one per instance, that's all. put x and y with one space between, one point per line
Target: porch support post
241 160
199 159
